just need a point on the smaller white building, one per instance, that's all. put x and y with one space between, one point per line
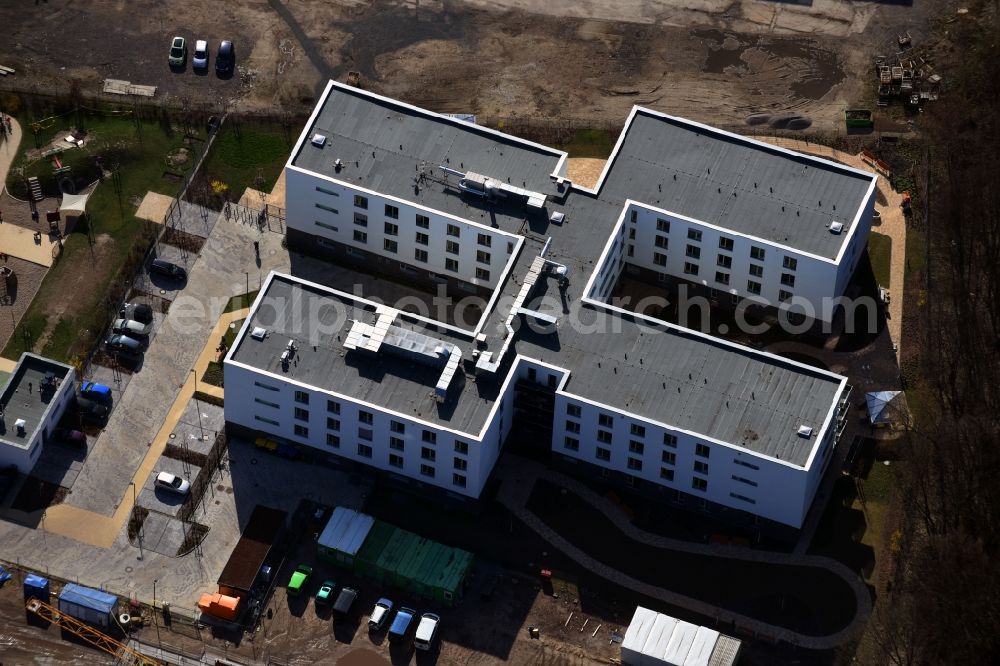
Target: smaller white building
653 639
33 400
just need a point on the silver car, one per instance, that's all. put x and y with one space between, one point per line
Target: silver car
200 58
172 483
178 52
131 328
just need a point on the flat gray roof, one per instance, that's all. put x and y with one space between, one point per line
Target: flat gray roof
25 398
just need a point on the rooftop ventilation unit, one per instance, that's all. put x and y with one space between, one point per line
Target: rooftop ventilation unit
836 227
805 431
318 140
557 217
258 333
20 424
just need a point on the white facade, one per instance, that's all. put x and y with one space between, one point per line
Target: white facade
23 451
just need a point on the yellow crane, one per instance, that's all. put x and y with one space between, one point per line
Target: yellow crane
101 641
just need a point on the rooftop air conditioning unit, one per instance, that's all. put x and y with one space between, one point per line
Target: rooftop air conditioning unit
318 140
557 217
836 227
805 431
258 333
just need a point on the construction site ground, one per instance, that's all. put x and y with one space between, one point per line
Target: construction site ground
715 61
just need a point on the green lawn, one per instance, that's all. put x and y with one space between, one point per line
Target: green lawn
241 301
880 254
239 154
142 152
590 143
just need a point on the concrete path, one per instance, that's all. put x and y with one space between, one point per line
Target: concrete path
893 223
518 476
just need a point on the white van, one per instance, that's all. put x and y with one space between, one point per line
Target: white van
426 631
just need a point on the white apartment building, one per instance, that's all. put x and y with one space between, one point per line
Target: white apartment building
665 410
33 400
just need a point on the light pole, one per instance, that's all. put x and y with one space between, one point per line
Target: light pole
136 516
201 426
156 621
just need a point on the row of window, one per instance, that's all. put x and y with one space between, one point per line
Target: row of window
392 212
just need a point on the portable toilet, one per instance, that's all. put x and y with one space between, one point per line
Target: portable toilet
36 587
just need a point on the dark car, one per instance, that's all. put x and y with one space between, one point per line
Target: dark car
68 436
342 606
92 411
167 269
139 312
225 61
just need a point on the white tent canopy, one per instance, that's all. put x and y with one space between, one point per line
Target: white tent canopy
75 202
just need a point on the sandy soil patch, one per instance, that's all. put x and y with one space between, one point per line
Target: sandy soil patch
584 171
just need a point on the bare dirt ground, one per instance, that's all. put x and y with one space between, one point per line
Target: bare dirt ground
715 61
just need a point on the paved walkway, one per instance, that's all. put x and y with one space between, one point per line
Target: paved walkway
518 477
893 223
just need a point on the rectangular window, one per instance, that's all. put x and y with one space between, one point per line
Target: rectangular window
701 467
604 436
571 443
631 233
637 430
725 243
670 440
302 397
721 278
395 460
332 423
573 410
326 191
633 215
301 430
453 230
366 417
360 236
429 437
327 208
326 226
666 474
662 225
693 251
745 464
690 269
333 406
427 470
756 270
603 454
391 229
360 220
301 414
788 279
784 296
744 480
482 274
482 257
631 250
659 259
366 434
391 212
606 420
702 450
636 447
753 287
694 234
260 401
757 253
635 464
662 242
451 265
364 451
396 426
572 426
461 464
743 498
396 444
420 255
266 386
724 260
451 247
669 457
360 201
333 440
263 419
791 263
389 245
699 484
457 480
423 222
423 239
428 453
485 240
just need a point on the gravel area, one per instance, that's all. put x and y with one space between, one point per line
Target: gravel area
29 279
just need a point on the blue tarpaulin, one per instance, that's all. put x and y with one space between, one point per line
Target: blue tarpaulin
36 587
4 576
88 598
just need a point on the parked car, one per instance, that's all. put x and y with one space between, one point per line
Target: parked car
168 269
225 60
96 392
379 615
69 436
299 579
200 58
93 411
400 627
138 312
172 483
325 592
123 344
344 601
178 52
130 327
426 631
